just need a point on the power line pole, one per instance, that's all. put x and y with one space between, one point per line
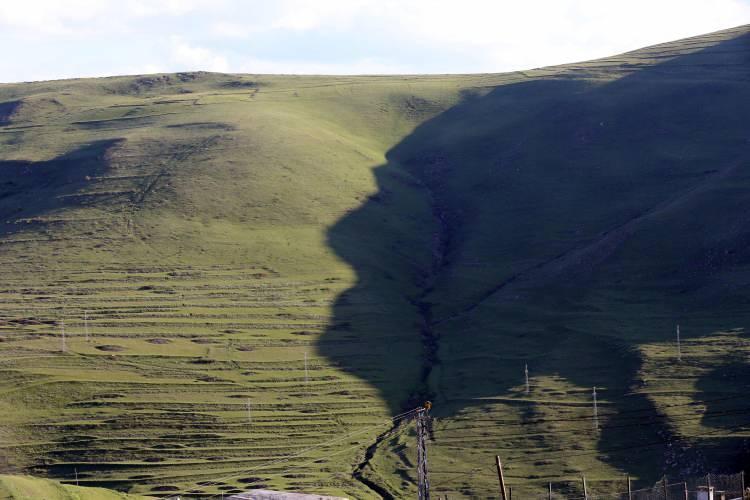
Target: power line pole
423 480
306 377
526 374
630 488
63 344
742 476
679 350
585 489
501 478
596 411
86 325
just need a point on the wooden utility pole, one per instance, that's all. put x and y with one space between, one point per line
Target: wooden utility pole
526 374
501 478
596 411
742 477
666 489
86 325
585 490
630 489
549 492
423 480
306 377
686 491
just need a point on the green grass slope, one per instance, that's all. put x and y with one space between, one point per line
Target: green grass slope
29 488
330 251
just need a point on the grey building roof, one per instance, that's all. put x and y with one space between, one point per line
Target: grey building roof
279 495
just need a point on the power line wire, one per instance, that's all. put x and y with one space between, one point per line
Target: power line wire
736 411
314 460
588 417
401 416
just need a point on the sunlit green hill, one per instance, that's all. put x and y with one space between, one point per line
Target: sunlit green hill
205 275
28 488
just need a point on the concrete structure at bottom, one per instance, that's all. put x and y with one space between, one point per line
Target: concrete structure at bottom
279 495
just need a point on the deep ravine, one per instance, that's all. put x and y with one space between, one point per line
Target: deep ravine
440 245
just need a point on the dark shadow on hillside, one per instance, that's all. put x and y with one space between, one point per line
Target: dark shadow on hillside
29 190
723 392
552 178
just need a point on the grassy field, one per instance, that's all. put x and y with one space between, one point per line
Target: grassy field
29 488
206 275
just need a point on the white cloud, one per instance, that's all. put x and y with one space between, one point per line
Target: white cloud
144 8
517 35
48 16
364 66
88 17
145 69
502 35
302 15
229 29
187 57
340 36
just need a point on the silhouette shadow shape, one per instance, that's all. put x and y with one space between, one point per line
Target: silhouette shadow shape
568 171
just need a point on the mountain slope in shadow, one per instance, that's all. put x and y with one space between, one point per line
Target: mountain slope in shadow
559 222
30 191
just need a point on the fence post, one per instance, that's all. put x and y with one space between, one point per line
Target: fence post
686 491
630 489
549 494
585 491
500 477
742 476
666 490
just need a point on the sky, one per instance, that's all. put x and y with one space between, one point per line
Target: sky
48 39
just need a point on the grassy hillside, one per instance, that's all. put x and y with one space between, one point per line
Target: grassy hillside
28 488
331 251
